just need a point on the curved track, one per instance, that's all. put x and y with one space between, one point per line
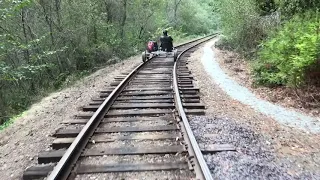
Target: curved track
137 129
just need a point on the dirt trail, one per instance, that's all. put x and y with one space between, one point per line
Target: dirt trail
285 116
304 100
264 146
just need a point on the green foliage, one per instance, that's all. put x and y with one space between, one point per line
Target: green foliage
266 7
285 33
10 121
46 45
197 17
242 24
291 7
285 57
22 73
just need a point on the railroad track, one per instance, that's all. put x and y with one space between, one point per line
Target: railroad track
137 129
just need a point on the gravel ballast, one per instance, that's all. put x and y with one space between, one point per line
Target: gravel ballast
254 158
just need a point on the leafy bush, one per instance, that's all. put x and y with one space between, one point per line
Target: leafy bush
242 24
291 7
285 58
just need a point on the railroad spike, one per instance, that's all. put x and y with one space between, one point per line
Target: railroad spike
190 157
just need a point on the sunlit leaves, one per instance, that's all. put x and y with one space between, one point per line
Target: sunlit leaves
9 7
25 72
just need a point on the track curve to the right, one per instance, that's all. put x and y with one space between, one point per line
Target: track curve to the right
137 129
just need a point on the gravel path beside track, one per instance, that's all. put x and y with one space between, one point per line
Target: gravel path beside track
265 148
232 88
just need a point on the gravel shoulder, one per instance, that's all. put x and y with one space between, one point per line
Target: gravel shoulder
305 99
285 116
22 141
265 148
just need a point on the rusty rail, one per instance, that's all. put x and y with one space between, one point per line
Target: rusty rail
201 169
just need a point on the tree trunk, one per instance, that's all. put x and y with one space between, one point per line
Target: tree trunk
124 18
108 11
58 7
23 21
176 6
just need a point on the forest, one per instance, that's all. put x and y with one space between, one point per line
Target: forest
46 45
280 36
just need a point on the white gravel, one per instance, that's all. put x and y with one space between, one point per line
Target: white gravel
234 90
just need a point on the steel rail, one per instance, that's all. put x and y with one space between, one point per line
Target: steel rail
64 167
201 167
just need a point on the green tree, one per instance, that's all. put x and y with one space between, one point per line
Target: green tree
45 43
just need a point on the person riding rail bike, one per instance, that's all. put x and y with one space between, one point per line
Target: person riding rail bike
152 46
166 42
166 48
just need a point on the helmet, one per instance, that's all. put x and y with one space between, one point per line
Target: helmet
165 32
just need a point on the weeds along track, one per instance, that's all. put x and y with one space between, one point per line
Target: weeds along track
137 129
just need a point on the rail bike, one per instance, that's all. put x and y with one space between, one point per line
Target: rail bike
153 50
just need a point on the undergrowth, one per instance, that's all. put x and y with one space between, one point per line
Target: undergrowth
285 57
10 121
